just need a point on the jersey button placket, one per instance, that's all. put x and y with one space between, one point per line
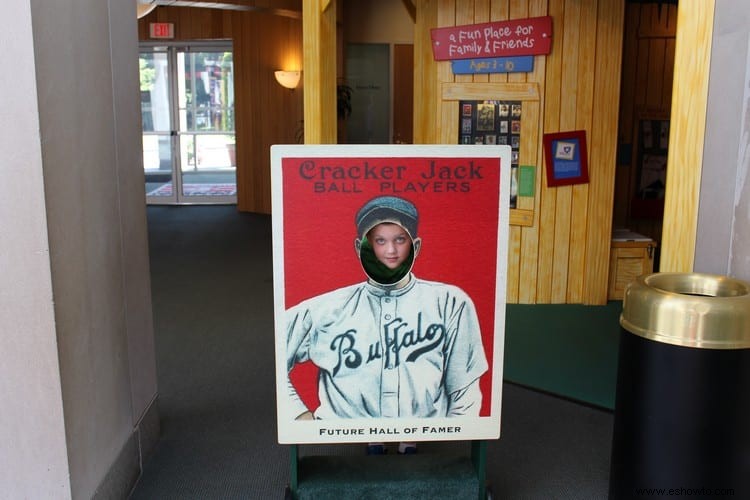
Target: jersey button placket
389 394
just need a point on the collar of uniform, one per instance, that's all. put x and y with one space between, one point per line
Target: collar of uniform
382 291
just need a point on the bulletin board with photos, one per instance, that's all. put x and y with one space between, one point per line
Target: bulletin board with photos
652 140
493 122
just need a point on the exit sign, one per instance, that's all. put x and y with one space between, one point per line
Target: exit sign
161 30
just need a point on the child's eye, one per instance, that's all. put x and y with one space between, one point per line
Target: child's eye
379 241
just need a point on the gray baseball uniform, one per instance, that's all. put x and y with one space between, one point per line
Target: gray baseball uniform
411 352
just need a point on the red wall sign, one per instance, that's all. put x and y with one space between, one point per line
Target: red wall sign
161 30
518 37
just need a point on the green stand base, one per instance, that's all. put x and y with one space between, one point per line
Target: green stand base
390 476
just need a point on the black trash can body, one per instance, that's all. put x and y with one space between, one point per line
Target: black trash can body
682 410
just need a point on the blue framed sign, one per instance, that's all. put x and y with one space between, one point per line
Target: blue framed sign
519 64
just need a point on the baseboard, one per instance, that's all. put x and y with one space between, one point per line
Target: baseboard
127 467
149 430
123 474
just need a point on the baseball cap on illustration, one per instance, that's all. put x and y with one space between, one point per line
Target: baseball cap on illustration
387 209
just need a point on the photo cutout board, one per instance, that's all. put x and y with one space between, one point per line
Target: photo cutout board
390 265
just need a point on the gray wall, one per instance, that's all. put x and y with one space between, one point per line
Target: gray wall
78 367
723 242
33 457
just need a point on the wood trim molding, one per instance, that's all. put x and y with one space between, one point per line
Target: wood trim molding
505 91
491 91
520 217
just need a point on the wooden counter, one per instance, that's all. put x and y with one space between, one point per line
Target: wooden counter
631 255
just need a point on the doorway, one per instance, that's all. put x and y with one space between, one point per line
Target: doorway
187 109
368 73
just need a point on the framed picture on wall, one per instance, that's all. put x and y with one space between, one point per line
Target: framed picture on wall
485 117
492 122
566 158
651 137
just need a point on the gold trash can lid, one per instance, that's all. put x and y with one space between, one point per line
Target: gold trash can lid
689 309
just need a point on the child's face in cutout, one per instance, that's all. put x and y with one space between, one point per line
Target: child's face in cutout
390 243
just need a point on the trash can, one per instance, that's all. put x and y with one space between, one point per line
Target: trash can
682 409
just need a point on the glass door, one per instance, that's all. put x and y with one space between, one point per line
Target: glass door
187 103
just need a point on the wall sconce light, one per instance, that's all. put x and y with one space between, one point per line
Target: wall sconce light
144 7
288 79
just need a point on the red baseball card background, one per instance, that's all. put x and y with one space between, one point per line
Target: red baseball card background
457 195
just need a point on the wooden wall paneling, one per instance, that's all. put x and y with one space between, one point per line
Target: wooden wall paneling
261 192
403 93
448 114
251 187
523 266
623 183
672 21
548 197
426 84
481 15
519 9
658 20
533 148
639 97
641 81
657 48
666 103
629 60
243 122
513 281
562 244
269 131
275 44
514 235
583 121
568 106
499 11
602 153
687 134
645 26
448 122
464 15
621 202
446 17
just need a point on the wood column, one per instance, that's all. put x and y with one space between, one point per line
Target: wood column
687 132
319 71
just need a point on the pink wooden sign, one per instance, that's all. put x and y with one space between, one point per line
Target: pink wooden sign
518 37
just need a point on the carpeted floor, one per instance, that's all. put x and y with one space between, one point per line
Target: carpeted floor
214 348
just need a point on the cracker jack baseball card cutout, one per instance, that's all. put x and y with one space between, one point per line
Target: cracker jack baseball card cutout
390 266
